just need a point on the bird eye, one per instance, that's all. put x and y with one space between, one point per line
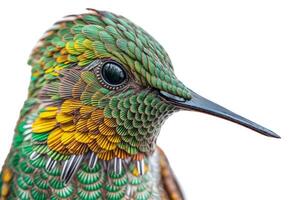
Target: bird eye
113 75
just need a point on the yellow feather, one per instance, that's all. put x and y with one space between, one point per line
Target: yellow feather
105 144
110 122
48 114
97 115
70 106
81 125
86 109
67 137
105 130
121 153
107 155
43 125
54 140
68 127
82 137
77 148
64 118
114 138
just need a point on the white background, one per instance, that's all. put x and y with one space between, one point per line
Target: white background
244 55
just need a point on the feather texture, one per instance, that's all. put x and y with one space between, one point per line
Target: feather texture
80 137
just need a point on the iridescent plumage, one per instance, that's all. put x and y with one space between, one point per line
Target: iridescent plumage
80 137
73 130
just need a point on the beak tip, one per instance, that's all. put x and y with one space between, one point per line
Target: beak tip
264 131
274 135
269 133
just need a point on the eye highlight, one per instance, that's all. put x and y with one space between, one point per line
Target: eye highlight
112 75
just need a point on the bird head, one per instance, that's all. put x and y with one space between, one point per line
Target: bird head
105 87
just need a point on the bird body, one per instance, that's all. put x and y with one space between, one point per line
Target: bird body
100 90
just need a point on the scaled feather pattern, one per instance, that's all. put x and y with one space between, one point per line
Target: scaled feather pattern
80 136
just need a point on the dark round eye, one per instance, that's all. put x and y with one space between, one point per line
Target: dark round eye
113 74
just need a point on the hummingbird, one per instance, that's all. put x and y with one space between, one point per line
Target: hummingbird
101 88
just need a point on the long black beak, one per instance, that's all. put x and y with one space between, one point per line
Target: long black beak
201 104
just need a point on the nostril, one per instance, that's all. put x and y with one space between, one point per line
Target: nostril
171 97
